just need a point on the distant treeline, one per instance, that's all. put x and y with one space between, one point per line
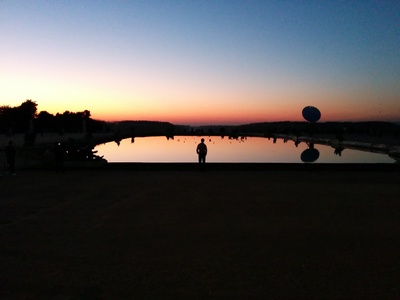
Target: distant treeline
332 129
26 119
372 128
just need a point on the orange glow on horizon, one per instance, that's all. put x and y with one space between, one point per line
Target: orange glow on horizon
239 119
219 111
216 117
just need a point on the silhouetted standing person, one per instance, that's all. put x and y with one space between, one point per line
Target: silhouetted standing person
202 152
59 157
10 154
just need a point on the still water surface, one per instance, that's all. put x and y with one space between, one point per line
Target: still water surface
225 150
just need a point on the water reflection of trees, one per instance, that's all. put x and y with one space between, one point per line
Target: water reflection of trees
339 145
337 142
311 154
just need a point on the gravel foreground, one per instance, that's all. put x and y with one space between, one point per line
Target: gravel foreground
129 234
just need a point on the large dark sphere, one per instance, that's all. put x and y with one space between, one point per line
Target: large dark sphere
311 114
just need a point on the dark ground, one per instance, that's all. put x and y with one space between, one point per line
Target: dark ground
126 234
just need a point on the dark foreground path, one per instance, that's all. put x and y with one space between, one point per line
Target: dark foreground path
120 234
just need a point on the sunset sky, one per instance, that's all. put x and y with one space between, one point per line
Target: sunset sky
203 62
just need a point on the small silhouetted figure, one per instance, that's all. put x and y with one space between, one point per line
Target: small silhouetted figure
10 154
59 157
202 151
2 162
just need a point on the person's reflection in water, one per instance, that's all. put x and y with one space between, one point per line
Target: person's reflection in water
202 152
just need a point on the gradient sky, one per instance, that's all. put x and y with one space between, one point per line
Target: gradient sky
203 62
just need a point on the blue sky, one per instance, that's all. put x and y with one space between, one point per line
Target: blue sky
203 61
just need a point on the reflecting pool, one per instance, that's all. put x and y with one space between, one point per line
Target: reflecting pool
225 150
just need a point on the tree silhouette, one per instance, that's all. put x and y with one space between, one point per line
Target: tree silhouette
18 119
25 119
